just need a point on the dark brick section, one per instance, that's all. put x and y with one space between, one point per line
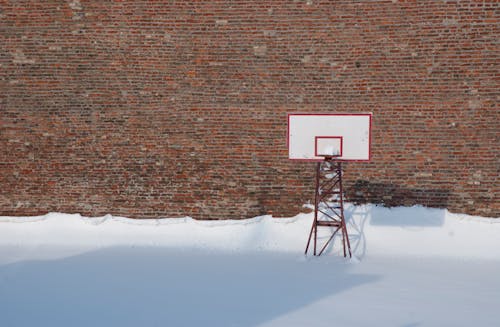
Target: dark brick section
174 108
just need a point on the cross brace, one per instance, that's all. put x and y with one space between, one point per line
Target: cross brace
329 205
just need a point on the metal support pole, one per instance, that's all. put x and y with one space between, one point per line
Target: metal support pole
316 199
329 205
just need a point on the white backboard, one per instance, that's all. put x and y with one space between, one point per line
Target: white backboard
346 136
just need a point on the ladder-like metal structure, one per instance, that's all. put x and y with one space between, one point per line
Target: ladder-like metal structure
329 205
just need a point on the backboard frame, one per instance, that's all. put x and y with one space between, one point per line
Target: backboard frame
369 115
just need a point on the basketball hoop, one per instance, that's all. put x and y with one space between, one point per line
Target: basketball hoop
327 157
329 139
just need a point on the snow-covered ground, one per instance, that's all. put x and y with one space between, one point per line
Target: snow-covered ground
412 267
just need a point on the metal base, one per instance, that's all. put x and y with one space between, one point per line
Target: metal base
329 205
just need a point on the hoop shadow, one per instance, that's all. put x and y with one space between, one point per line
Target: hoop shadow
390 195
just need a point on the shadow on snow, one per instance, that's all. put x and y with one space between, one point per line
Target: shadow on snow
125 286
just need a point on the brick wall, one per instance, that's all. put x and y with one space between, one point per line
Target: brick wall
174 108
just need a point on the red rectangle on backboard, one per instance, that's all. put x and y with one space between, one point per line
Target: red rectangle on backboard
336 144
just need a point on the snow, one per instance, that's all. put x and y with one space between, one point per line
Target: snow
411 267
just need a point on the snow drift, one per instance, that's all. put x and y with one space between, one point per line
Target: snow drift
373 230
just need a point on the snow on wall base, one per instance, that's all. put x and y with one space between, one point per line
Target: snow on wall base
373 230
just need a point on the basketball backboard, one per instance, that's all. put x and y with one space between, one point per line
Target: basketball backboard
312 137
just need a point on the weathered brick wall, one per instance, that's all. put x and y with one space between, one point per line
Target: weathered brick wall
173 108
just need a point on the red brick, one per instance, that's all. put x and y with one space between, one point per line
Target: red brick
155 108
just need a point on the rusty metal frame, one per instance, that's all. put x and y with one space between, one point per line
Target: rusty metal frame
329 205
